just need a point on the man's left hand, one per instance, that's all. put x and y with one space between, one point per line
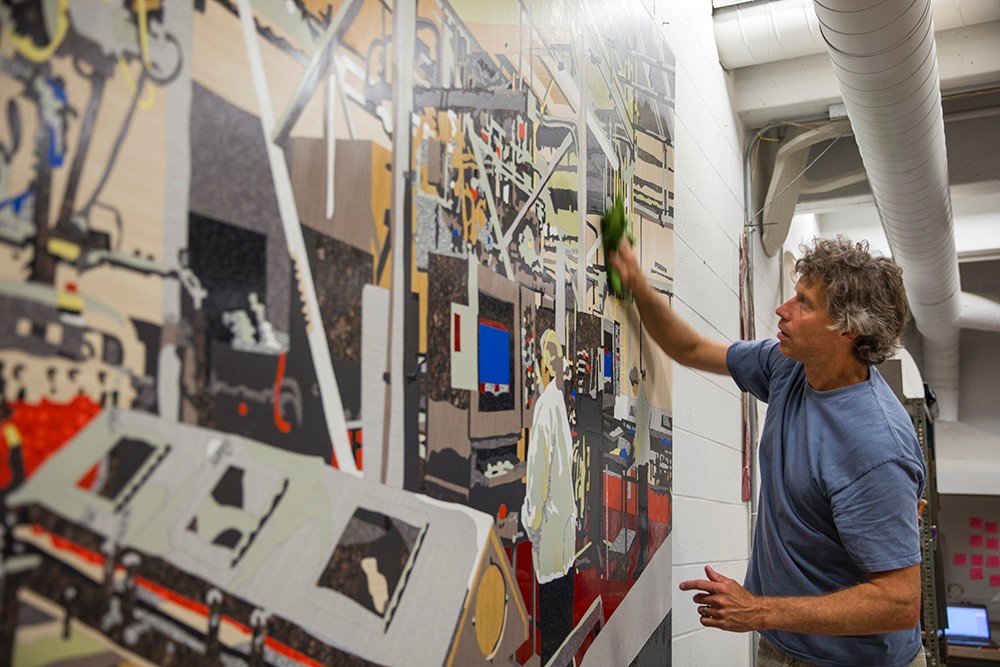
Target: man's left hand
725 604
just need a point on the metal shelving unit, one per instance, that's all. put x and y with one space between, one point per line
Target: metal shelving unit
919 401
931 579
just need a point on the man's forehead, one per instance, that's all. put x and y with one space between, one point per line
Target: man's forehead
812 289
803 284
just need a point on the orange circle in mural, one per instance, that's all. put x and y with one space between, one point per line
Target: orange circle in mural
491 610
243 409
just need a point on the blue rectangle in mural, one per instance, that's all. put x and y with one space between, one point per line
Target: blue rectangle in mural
494 357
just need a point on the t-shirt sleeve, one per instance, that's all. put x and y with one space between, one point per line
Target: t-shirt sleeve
751 364
876 516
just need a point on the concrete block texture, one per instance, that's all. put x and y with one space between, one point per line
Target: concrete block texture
711 523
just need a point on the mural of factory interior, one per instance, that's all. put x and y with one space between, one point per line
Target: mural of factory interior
307 351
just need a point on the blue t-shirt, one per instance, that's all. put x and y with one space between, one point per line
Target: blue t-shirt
841 475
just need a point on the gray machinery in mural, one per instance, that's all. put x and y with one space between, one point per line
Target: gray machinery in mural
190 546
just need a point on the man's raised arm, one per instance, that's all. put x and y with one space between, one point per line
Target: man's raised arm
682 343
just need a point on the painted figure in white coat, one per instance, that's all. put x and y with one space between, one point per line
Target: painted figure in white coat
549 510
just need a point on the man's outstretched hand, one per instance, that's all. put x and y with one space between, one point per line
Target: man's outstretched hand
725 604
624 262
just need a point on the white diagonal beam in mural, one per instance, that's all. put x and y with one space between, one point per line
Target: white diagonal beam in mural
539 188
478 146
333 408
318 66
610 80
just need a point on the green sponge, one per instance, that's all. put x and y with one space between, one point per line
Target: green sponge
614 226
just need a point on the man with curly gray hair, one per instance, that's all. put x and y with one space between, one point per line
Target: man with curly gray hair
864 294
833 577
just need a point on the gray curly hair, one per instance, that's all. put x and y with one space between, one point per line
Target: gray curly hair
864 294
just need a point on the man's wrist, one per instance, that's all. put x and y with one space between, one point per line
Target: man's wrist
642 291
763 617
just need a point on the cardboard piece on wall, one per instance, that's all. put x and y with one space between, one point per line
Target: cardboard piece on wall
993 561
447 283
959 559
975 540
975 523
991 527
448 446
977 559
995 580
976 573
621 407
993 544
465 348
374 346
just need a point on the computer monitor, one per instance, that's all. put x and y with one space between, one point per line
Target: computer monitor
968 621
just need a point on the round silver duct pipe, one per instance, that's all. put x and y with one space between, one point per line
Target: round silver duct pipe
755 33
884 58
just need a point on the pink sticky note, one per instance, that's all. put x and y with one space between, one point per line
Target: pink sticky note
991 527
959 559
975 523
995 580
976 573
977 559
992 543
975 540
992 561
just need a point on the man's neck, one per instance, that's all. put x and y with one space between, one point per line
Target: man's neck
836 375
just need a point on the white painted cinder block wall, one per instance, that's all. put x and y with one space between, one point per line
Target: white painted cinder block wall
711 523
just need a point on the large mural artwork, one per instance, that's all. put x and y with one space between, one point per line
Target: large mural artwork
307 353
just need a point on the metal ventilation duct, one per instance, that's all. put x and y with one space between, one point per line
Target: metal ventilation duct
761 32
884 58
